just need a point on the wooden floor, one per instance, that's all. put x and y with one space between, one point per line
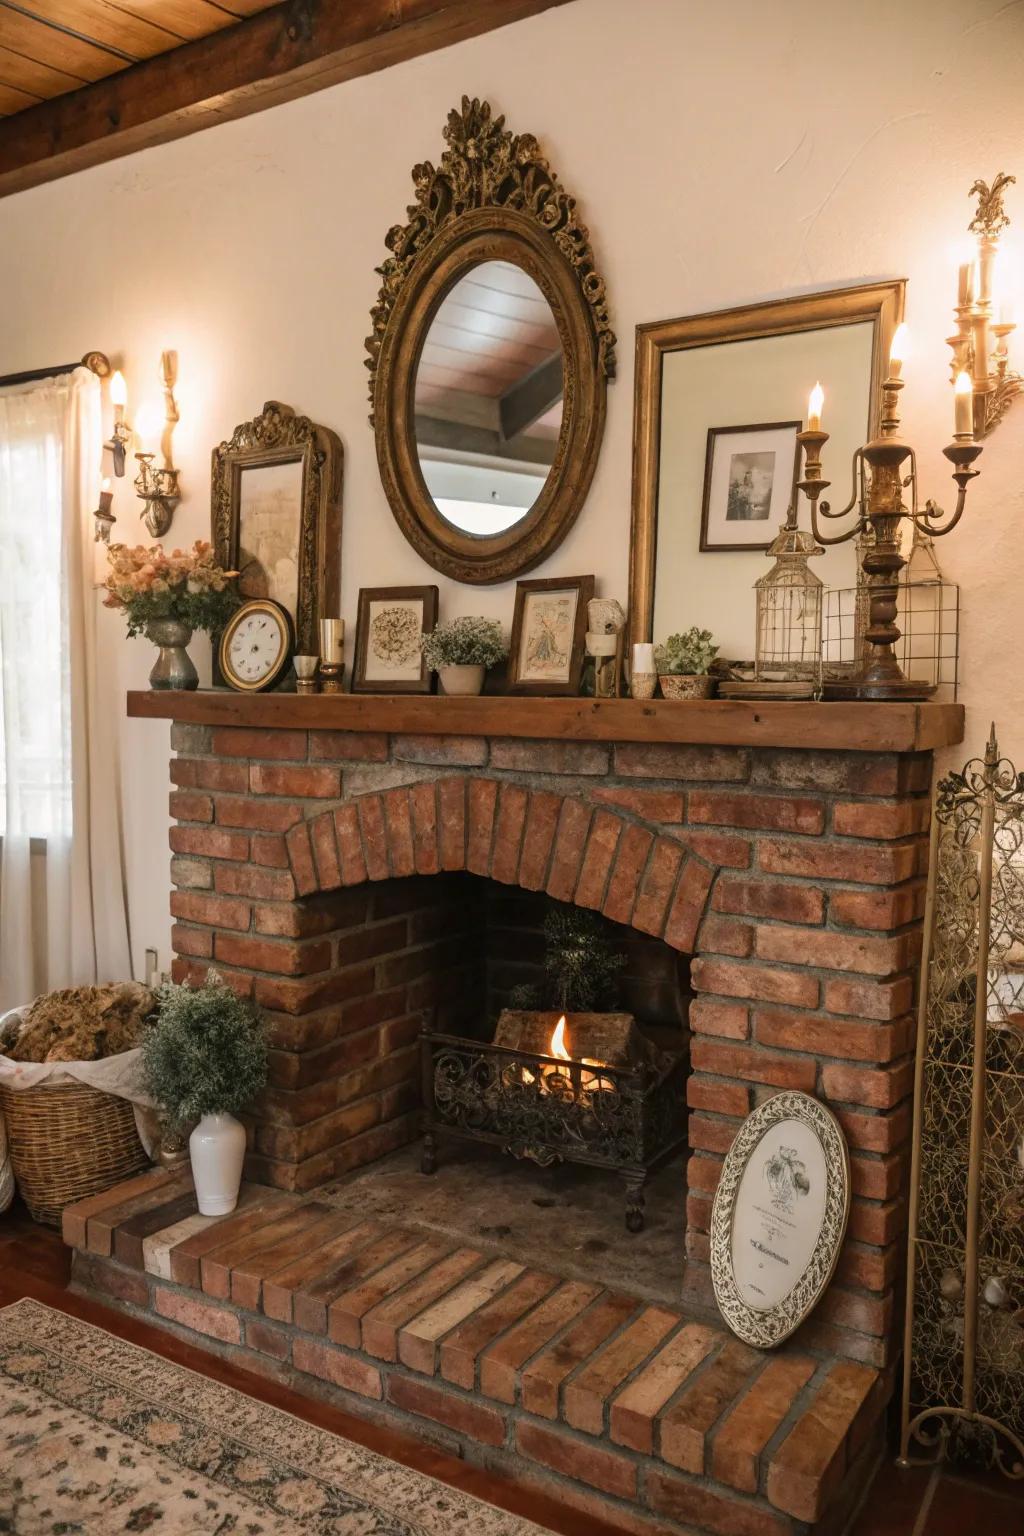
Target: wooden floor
921 1502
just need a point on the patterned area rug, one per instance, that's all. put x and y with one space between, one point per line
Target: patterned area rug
99 1436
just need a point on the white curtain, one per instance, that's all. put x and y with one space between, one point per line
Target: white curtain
63 914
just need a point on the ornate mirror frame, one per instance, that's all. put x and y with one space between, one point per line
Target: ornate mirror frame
879 303
278 436
492 198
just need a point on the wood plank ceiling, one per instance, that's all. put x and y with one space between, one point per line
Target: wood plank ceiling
50 47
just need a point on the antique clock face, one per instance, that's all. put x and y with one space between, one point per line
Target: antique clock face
255 646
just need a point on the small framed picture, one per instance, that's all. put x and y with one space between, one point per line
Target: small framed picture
750 476
548 627
391 623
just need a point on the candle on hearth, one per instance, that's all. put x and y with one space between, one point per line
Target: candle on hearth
332 640
898 350
814 408
963 402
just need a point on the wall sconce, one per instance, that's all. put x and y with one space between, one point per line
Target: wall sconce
121 435
157 486
985 363
105 519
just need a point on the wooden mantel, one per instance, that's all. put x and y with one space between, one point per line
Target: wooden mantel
838 727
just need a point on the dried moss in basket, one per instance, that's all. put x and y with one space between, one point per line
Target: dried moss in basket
80 1023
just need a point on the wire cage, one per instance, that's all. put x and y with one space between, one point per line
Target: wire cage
928 617
789 601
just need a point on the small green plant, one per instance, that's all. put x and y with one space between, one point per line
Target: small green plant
467 642
687 655
206 1052
580 964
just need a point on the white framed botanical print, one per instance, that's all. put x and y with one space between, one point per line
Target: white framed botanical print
779 1217
750 476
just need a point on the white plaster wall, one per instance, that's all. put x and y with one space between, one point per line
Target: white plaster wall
721 154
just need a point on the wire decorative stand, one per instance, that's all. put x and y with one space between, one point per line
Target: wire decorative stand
963 1385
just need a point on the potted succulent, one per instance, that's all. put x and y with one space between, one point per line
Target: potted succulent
683 663
166 597
203 1059
461 651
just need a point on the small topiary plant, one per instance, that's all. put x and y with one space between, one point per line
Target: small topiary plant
206 1052
466 642
687 655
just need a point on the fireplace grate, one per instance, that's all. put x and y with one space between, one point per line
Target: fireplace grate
550 1110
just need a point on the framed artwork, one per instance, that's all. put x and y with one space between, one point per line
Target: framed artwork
390 625
721 373
779 1217
276 515
750 476
548 627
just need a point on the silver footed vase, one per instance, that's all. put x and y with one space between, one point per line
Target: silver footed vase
173 666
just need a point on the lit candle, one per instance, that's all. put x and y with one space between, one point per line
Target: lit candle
118 396
332 640
965 291
148 422
814 408
963 402
106 494
898 351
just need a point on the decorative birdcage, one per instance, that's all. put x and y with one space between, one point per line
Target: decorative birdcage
787 656
928 648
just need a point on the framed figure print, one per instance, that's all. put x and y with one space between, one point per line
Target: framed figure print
548 627
750 476
389 630
779 1217
276 515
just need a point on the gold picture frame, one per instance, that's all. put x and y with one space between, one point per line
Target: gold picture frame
878 304
309 539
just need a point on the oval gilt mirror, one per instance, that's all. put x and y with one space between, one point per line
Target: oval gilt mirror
489 357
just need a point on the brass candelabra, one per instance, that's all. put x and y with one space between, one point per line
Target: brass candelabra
982 314
157 485
879 482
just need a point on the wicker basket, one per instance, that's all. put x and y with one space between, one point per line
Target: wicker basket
68 1143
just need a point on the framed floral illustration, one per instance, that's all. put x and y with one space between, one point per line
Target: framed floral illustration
390 627
548 630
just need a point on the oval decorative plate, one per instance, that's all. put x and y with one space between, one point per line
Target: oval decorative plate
779 1217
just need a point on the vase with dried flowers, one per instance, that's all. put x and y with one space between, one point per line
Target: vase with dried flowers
166 597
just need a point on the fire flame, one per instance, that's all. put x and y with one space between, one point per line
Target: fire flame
557 1047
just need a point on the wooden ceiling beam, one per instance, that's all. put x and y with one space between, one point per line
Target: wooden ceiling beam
277 55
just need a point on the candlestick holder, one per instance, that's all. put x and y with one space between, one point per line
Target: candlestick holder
879 511
995 384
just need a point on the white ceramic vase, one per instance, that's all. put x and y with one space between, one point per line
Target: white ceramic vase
462 680
217 1150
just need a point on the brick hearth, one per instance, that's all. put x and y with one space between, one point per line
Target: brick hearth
780 849
620 1409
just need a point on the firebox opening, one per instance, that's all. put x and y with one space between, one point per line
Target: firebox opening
473 948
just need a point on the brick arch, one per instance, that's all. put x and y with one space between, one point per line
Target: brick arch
575 846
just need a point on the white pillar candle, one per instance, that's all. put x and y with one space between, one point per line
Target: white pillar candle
965 291
814 408
643 657
963 401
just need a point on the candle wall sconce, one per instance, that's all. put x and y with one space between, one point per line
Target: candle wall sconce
984 320
157 485
121 435
105 518
879 511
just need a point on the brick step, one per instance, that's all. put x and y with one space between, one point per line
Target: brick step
640 1412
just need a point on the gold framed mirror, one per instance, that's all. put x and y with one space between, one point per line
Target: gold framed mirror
489 356
716 378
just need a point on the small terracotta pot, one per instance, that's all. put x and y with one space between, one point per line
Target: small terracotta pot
676 685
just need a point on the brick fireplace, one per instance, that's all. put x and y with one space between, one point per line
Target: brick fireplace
328 859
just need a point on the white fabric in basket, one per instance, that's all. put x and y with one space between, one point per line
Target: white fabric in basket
120 1075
